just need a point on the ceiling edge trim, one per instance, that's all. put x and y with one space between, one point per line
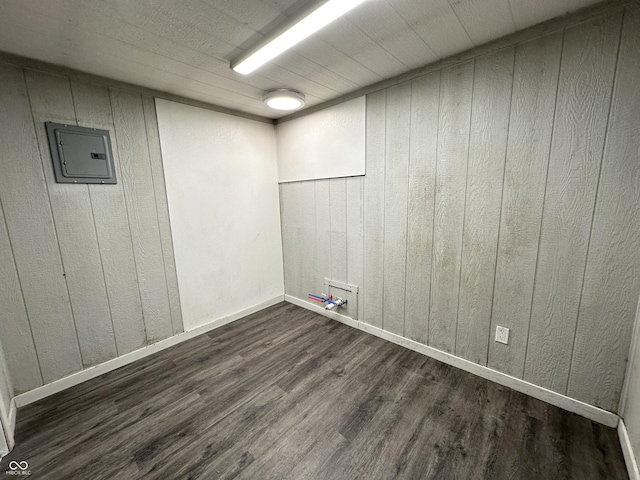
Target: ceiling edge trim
77 75
508 41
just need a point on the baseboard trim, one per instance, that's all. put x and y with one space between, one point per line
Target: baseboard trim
627 451
554 398
332 314
8 423
13 413
110 365
4 448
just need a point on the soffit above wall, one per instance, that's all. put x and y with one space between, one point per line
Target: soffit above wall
184 48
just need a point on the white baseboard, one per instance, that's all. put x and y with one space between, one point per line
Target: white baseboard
554 398
4 448
7 428
627 451
95 371
13 412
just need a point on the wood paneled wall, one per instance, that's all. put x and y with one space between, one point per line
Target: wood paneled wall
86 271
500 191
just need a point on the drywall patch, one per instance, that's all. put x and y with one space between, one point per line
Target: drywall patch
222 190
326 144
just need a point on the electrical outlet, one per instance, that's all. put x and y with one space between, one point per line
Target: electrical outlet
502 334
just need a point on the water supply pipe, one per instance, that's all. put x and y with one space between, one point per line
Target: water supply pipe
331 303
338 303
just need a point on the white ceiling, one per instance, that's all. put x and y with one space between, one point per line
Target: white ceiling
184 47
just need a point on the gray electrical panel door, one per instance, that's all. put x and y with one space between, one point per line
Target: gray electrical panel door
80 154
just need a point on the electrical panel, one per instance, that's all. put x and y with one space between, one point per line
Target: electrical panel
81 154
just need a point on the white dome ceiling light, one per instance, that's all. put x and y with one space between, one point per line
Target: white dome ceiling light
283 99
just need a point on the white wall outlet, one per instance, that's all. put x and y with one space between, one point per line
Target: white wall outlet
502 334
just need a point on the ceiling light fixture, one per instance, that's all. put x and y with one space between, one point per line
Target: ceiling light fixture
301 29
283 99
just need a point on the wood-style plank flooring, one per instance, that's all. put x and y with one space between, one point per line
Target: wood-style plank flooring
286 393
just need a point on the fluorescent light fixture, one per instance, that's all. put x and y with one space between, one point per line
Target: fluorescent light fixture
307 26
283 99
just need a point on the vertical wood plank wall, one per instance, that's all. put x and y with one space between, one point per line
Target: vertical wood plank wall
501 191
86 271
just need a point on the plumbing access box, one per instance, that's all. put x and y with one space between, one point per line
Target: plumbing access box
80 154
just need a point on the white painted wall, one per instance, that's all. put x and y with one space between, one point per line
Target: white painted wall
326 144
221 177
630 405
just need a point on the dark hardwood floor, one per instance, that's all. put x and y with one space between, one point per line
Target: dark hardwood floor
286 393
